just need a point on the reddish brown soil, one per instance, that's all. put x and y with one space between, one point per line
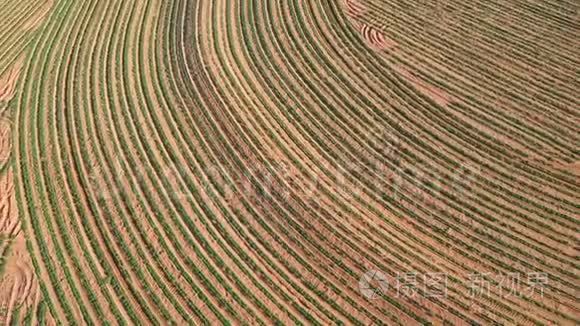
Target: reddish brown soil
18 285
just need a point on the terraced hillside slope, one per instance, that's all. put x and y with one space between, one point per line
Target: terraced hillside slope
291 162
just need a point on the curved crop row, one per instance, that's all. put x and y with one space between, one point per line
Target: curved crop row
251 162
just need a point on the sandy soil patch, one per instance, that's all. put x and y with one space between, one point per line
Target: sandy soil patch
18 285
5 141
8 81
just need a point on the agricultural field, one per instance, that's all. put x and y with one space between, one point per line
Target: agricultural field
300 162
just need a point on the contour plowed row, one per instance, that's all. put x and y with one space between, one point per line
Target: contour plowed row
228 161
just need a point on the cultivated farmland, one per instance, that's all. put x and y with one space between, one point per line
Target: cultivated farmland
289 162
